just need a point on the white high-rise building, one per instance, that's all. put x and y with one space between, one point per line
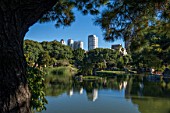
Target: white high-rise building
78 44
70 43
81 45
62 41
92 42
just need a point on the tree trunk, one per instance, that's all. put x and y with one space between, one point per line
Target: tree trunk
16 17
14 92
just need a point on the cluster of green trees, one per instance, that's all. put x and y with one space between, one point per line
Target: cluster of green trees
44 54
151 51
100 59
145 24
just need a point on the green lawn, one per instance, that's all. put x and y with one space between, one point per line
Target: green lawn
111 72
91 77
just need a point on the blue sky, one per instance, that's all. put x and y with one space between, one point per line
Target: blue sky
79 30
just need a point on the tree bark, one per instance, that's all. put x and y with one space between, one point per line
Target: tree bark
14 92
16 16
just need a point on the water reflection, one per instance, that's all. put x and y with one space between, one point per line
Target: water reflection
132 94
92 96
81 90
70 93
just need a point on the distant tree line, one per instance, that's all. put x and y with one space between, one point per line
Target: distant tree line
102 59
44 54
151 51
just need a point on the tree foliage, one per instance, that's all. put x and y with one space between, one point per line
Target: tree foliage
32 49
46 53
78 56
102 58
151 50
35 79
62 12
130 18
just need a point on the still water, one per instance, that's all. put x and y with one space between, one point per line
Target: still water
109 95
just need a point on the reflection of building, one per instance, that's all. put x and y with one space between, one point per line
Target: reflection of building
123 85
70 93
120 86
95 94
81 90
92 42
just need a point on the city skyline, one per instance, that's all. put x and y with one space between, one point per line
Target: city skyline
79 30
74 44
92 41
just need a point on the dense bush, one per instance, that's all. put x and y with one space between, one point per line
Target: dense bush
35 79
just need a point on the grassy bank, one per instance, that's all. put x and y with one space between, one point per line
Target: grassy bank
105 74
110 73
91 77
59 74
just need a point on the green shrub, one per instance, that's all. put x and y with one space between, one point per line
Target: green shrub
35 79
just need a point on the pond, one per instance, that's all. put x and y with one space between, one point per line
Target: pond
127 94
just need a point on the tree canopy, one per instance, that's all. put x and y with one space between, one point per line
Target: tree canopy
151 51
131 18
46 53
62 12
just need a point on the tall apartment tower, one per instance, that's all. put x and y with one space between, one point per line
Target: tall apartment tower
81 44
78 44
70 43
62 41
92 42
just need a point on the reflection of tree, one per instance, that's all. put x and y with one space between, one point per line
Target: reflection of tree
134 86
92 86
104 83
138 86
150 89
90 96
152 105
60 86
56 90
128 88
